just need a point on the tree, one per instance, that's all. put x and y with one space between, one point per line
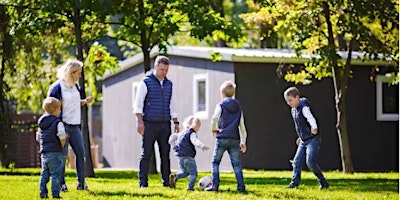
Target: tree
62 25
322 28
150 23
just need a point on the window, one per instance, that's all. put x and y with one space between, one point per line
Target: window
200 96
387 100
135 86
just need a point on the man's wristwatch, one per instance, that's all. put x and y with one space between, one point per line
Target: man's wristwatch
176 123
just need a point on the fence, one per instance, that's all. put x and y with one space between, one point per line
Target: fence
26 152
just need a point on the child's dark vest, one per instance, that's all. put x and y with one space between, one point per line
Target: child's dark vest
185 148
157 101
55 91
302 126
228 123
49 141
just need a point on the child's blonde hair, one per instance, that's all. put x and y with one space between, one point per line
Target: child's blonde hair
191 122
228 88
66 70
50 104
292 91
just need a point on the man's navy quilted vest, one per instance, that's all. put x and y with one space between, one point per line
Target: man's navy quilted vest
157 101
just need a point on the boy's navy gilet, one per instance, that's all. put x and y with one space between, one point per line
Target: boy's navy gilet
157 101
55 91
228 123
185 148
49 141
303 128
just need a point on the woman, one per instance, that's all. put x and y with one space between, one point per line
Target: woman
67 91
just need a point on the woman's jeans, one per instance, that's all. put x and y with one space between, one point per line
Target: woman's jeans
75 139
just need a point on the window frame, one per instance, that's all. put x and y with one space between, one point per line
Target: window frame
196 79
380 116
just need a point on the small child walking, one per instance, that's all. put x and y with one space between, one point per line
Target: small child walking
52 140
184 144
309 139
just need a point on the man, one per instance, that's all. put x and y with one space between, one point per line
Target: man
154 108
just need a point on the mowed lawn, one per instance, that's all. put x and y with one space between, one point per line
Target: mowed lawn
113 184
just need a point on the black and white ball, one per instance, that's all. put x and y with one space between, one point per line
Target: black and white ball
205 183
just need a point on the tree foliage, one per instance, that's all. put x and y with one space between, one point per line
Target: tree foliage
330 32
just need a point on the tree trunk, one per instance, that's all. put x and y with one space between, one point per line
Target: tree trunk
5 122
89 172
340 79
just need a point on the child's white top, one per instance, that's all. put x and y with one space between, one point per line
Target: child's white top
175 139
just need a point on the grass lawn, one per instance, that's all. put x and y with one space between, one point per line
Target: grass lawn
112 184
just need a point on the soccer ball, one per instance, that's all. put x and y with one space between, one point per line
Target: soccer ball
205 183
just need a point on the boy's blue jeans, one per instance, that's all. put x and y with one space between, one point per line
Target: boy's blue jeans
307 149
233 148
52 163
75 139
187 168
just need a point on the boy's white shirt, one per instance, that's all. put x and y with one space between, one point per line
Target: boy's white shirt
61 131
242 127
175 139
309 116
141 95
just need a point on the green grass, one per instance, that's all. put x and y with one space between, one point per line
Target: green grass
112 184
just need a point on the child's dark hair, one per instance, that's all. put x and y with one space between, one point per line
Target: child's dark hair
292 91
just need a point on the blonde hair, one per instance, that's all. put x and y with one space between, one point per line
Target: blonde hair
191 122
228 88
292 91
50 104
66 70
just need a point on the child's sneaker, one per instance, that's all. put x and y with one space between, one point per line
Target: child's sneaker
291 186
64 188
190 190
82 186
324 185
172 180
211 189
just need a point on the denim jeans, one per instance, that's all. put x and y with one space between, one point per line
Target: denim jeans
233 148
52 163
307 149
160 132
75 139
187 167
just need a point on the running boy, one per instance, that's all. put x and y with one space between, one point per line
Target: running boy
309 138
52 140
226 122
184 145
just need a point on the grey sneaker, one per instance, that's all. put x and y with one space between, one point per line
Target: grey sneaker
64 188
82 186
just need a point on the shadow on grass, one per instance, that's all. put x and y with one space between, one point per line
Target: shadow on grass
352 184
123 193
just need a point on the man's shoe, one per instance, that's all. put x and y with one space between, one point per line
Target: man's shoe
44 196
57 197
172 180
64 188
82 186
